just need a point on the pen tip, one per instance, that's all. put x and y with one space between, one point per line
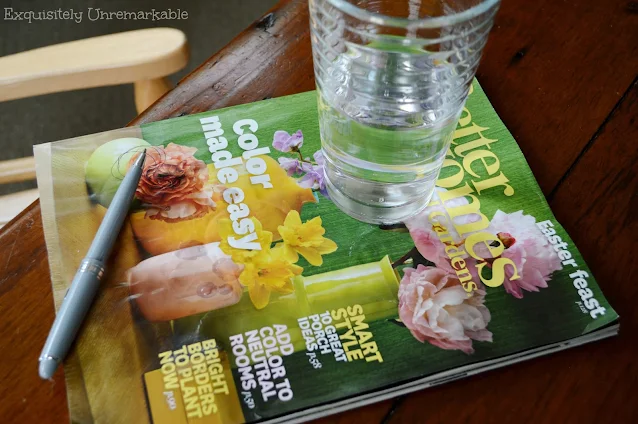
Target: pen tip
47 368
140 159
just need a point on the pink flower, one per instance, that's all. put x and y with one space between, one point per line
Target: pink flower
428 242
291 166
285 142
527 247
174 184
436 309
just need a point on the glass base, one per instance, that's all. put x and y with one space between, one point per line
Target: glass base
373 202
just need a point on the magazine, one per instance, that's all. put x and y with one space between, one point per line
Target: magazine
238 292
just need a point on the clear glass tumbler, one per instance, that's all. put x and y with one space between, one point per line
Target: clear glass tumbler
392 78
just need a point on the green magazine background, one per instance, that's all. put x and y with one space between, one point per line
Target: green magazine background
517 324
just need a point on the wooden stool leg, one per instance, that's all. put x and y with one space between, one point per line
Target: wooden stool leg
15 170
148 91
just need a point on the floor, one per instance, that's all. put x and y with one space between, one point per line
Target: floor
211 24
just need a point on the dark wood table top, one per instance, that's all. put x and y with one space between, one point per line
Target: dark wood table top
563 76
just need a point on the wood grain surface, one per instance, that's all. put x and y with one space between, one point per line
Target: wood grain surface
563 76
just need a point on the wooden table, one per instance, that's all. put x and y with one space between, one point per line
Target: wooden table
563 77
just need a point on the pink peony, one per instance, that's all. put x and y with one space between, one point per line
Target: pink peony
527 247
436 309
174 184
428 242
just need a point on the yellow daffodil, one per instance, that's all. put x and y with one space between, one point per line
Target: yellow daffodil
243 256
305 239
268 272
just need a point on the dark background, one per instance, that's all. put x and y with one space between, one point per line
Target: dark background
211 24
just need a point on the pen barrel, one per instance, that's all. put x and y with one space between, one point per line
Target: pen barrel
86 282
75 305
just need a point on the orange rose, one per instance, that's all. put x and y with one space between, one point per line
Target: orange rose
174 184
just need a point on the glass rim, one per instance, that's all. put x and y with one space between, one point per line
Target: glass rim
435 22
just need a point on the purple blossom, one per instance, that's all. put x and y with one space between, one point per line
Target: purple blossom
291 166
285 142
314 175
318 156
313 178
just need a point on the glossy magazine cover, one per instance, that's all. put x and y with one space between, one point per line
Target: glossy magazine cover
239 292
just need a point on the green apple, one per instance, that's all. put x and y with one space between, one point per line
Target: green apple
107 166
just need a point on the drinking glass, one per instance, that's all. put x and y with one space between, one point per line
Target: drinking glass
392 78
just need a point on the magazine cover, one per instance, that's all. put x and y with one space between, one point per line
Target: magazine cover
240 293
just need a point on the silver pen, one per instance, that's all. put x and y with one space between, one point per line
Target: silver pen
86 282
